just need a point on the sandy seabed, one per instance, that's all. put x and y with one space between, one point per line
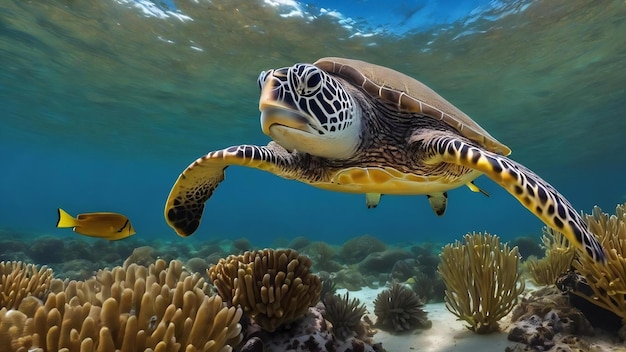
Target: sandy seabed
448 334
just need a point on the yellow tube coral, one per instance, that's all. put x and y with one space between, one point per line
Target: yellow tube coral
160 308
482 280
558 259
274 287
19 280
608 281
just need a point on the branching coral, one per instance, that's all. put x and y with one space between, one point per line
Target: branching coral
19 280
559 256
160 308
344 313
274 287
482 280
400 309
608 281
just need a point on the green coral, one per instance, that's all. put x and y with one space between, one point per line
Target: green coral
356 249
482 280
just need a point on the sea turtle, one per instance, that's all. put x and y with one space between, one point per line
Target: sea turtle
351 126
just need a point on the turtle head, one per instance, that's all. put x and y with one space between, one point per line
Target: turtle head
306 109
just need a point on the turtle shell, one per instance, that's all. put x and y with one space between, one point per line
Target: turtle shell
407 94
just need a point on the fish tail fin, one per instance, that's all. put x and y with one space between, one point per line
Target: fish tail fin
65 219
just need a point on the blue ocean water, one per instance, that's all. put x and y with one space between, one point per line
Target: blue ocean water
104 104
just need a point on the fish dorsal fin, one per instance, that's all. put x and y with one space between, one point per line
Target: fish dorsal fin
100 216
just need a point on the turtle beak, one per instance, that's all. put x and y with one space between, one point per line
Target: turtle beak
275 112
277 115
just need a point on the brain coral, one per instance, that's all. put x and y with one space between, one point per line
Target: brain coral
274 287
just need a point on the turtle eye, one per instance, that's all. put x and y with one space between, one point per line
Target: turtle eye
312 82
306 79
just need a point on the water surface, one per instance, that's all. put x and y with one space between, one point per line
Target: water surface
104 103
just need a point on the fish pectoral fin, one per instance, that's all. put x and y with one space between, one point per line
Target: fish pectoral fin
472 186
195 185
65 219
438 202
372 200
527 187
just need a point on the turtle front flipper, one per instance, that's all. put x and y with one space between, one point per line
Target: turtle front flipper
532 191
195 185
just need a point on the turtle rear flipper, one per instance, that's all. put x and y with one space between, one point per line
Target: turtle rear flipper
438 201
532 191
372 200
195 185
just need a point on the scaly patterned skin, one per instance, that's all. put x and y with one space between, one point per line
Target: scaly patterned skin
531 191
335 135
195 185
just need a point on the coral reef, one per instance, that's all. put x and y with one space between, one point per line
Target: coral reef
404 269
77 249
423 286
47 249
12 250
210 250
543 318
398 309
160 308
274 287
322 255
344 314
242 244
19 280
570 282
197 265
299 243
328 285
427 257
607 281
350 279
482 280
143 255
309 334
383 261
356 249
558 258
527 246
425 282
560 343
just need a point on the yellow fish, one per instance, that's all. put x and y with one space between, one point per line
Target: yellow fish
110 226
